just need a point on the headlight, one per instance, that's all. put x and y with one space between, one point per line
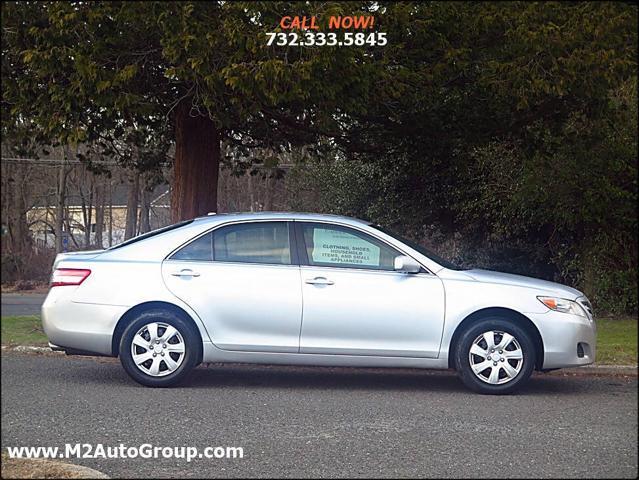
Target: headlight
563 305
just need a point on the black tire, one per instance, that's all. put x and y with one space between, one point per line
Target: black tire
192 348
463 360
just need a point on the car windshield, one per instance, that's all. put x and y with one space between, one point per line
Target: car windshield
151 234
421 249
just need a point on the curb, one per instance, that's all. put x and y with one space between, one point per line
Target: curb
26 349
625 370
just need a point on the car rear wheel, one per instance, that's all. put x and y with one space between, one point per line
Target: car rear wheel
495 356
159 349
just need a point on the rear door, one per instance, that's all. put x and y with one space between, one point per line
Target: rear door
243 281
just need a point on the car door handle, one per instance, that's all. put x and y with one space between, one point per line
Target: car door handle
319 281
185 273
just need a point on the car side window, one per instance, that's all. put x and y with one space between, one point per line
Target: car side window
259 242
337 246
199 250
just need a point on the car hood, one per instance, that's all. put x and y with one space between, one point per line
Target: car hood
558 289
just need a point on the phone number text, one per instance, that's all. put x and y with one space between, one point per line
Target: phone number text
320 39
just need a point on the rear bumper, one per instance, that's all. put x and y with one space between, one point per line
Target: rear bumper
569 340
79 328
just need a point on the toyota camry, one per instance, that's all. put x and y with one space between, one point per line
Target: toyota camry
306 289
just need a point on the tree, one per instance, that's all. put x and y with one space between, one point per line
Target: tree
494 123
502 123
89 71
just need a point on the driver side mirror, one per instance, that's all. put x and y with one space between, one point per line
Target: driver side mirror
406 264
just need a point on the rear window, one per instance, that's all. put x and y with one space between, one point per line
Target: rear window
150 234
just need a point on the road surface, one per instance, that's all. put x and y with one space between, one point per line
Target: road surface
21 303
325 422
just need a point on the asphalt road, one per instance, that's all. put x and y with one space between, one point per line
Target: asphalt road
21 303
325 422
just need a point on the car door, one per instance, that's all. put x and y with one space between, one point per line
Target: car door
243 281
355 303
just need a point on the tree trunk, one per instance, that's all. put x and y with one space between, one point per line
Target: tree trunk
23 235
145 207
9 203
18 229
268 193
251 192
132 206
110 214
99 213
196 167
69 229
60 205
87 207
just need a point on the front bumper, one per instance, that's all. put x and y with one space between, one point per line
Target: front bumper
569 340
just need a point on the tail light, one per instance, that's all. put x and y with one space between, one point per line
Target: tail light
69 276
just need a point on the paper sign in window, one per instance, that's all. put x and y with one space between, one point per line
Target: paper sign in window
335 246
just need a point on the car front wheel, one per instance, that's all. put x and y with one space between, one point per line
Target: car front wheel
159 349
495 356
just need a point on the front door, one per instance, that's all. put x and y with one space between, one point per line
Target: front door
356 304
243 282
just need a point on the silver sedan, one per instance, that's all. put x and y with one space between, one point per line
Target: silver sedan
307 289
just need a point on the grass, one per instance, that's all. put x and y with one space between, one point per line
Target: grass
616 338
617 341
22 331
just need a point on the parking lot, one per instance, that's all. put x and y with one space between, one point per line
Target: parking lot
325 422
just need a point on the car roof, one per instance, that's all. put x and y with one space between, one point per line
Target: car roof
217 217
